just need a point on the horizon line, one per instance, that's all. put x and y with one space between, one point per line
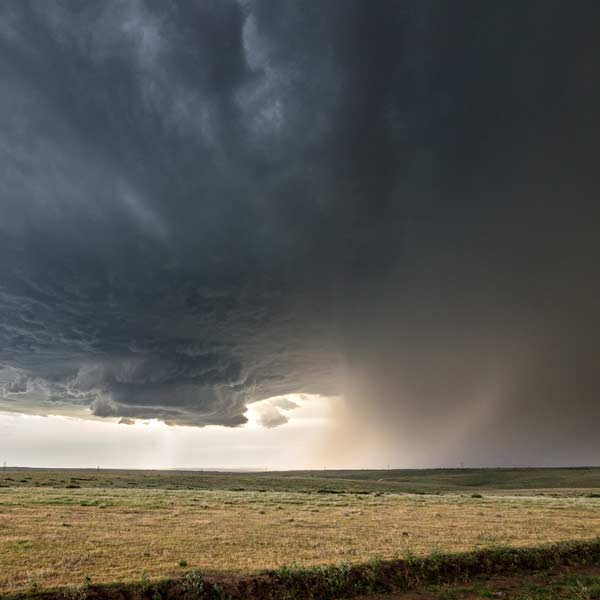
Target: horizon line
98 468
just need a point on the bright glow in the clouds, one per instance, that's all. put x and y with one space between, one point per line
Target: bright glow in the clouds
61 441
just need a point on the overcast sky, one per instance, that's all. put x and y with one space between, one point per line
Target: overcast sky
389 207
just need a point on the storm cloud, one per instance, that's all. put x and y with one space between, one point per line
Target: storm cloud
206 204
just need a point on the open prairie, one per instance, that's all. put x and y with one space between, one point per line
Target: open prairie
61 527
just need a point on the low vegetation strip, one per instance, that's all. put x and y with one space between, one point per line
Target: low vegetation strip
339 581
426 481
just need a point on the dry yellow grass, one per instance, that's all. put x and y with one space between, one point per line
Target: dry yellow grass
58 536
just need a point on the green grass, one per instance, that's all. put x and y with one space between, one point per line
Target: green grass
450 576
329 481
52 525
537 586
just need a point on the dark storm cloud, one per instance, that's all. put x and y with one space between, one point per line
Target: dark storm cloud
209 203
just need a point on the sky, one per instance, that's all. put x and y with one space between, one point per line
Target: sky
281 234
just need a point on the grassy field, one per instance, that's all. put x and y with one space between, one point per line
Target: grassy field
392 480
59 527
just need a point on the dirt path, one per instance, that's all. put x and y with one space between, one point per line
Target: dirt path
568 583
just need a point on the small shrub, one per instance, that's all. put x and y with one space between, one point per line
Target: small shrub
218 593
33 587
79 592
183 563
144 581
193 584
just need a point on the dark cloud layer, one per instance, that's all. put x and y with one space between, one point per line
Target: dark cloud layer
209 203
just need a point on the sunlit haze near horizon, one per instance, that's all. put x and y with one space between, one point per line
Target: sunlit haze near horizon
68 441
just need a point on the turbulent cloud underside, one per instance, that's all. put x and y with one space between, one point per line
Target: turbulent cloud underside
205 204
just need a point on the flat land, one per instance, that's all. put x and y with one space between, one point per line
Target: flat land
571 584
59 527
